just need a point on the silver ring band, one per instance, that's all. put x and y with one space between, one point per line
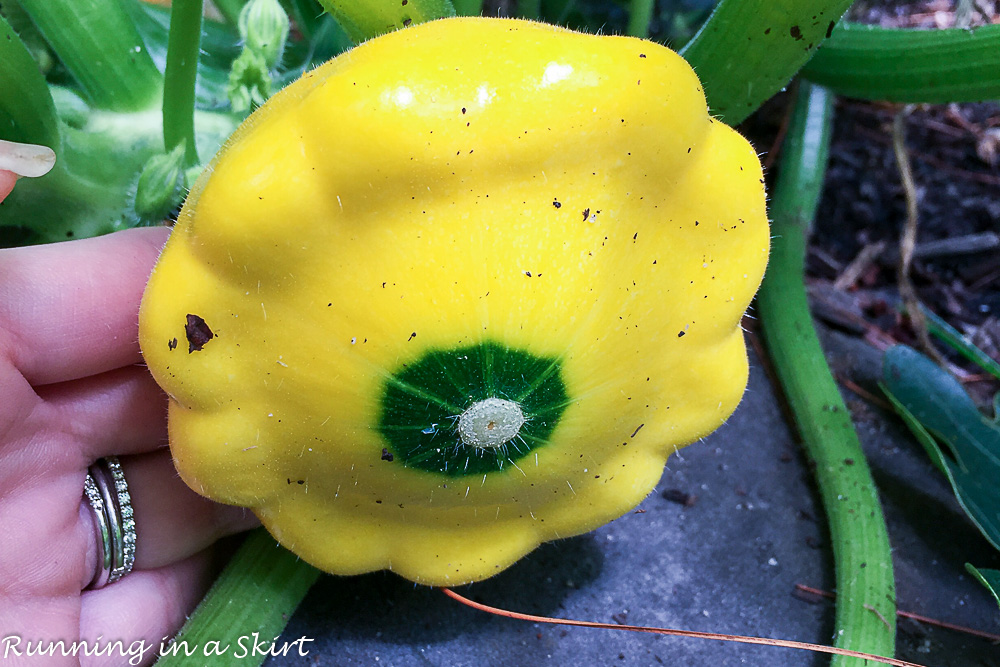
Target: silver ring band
107 493
104 542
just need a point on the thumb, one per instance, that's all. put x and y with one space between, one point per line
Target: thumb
7 180
24 160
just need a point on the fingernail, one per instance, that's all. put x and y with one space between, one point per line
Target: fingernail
26 159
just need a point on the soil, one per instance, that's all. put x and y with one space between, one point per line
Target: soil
954 153
957 196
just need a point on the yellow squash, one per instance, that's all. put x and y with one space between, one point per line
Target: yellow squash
459 291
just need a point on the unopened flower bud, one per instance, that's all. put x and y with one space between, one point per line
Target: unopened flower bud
159 188
249 82
263 25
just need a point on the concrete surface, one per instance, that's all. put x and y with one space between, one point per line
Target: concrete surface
727 563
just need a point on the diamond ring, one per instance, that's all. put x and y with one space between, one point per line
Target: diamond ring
107 494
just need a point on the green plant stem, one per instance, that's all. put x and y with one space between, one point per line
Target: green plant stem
866 608
183 47
365 19
748 50
901 65
639 16
256 593
99 45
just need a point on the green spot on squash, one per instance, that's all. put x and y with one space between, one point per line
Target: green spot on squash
471 410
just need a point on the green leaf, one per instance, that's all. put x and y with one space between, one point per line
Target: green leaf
219 47
528 9
306 14
988 578
371 18
965 442
327 40
27 113
230 9
256 593
98 43
922 435
748 50
904 65
28 32
468 7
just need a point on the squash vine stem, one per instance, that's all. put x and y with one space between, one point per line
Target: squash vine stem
864 574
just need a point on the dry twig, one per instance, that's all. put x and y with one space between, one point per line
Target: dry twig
908 239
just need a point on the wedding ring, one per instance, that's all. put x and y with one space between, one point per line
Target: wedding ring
107 494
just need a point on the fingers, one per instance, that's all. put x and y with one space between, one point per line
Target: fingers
29 160
42 551
142 610
172 521
7 180
120 412
34 619
70 310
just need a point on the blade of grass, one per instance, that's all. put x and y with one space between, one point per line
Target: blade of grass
257 592
865 585
903 65
988 578
956 341
748 50
99 45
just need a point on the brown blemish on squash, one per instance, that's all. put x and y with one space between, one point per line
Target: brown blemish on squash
197 332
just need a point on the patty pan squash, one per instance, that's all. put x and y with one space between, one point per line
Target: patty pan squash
457 292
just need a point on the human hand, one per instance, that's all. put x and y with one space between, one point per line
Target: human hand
73 390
